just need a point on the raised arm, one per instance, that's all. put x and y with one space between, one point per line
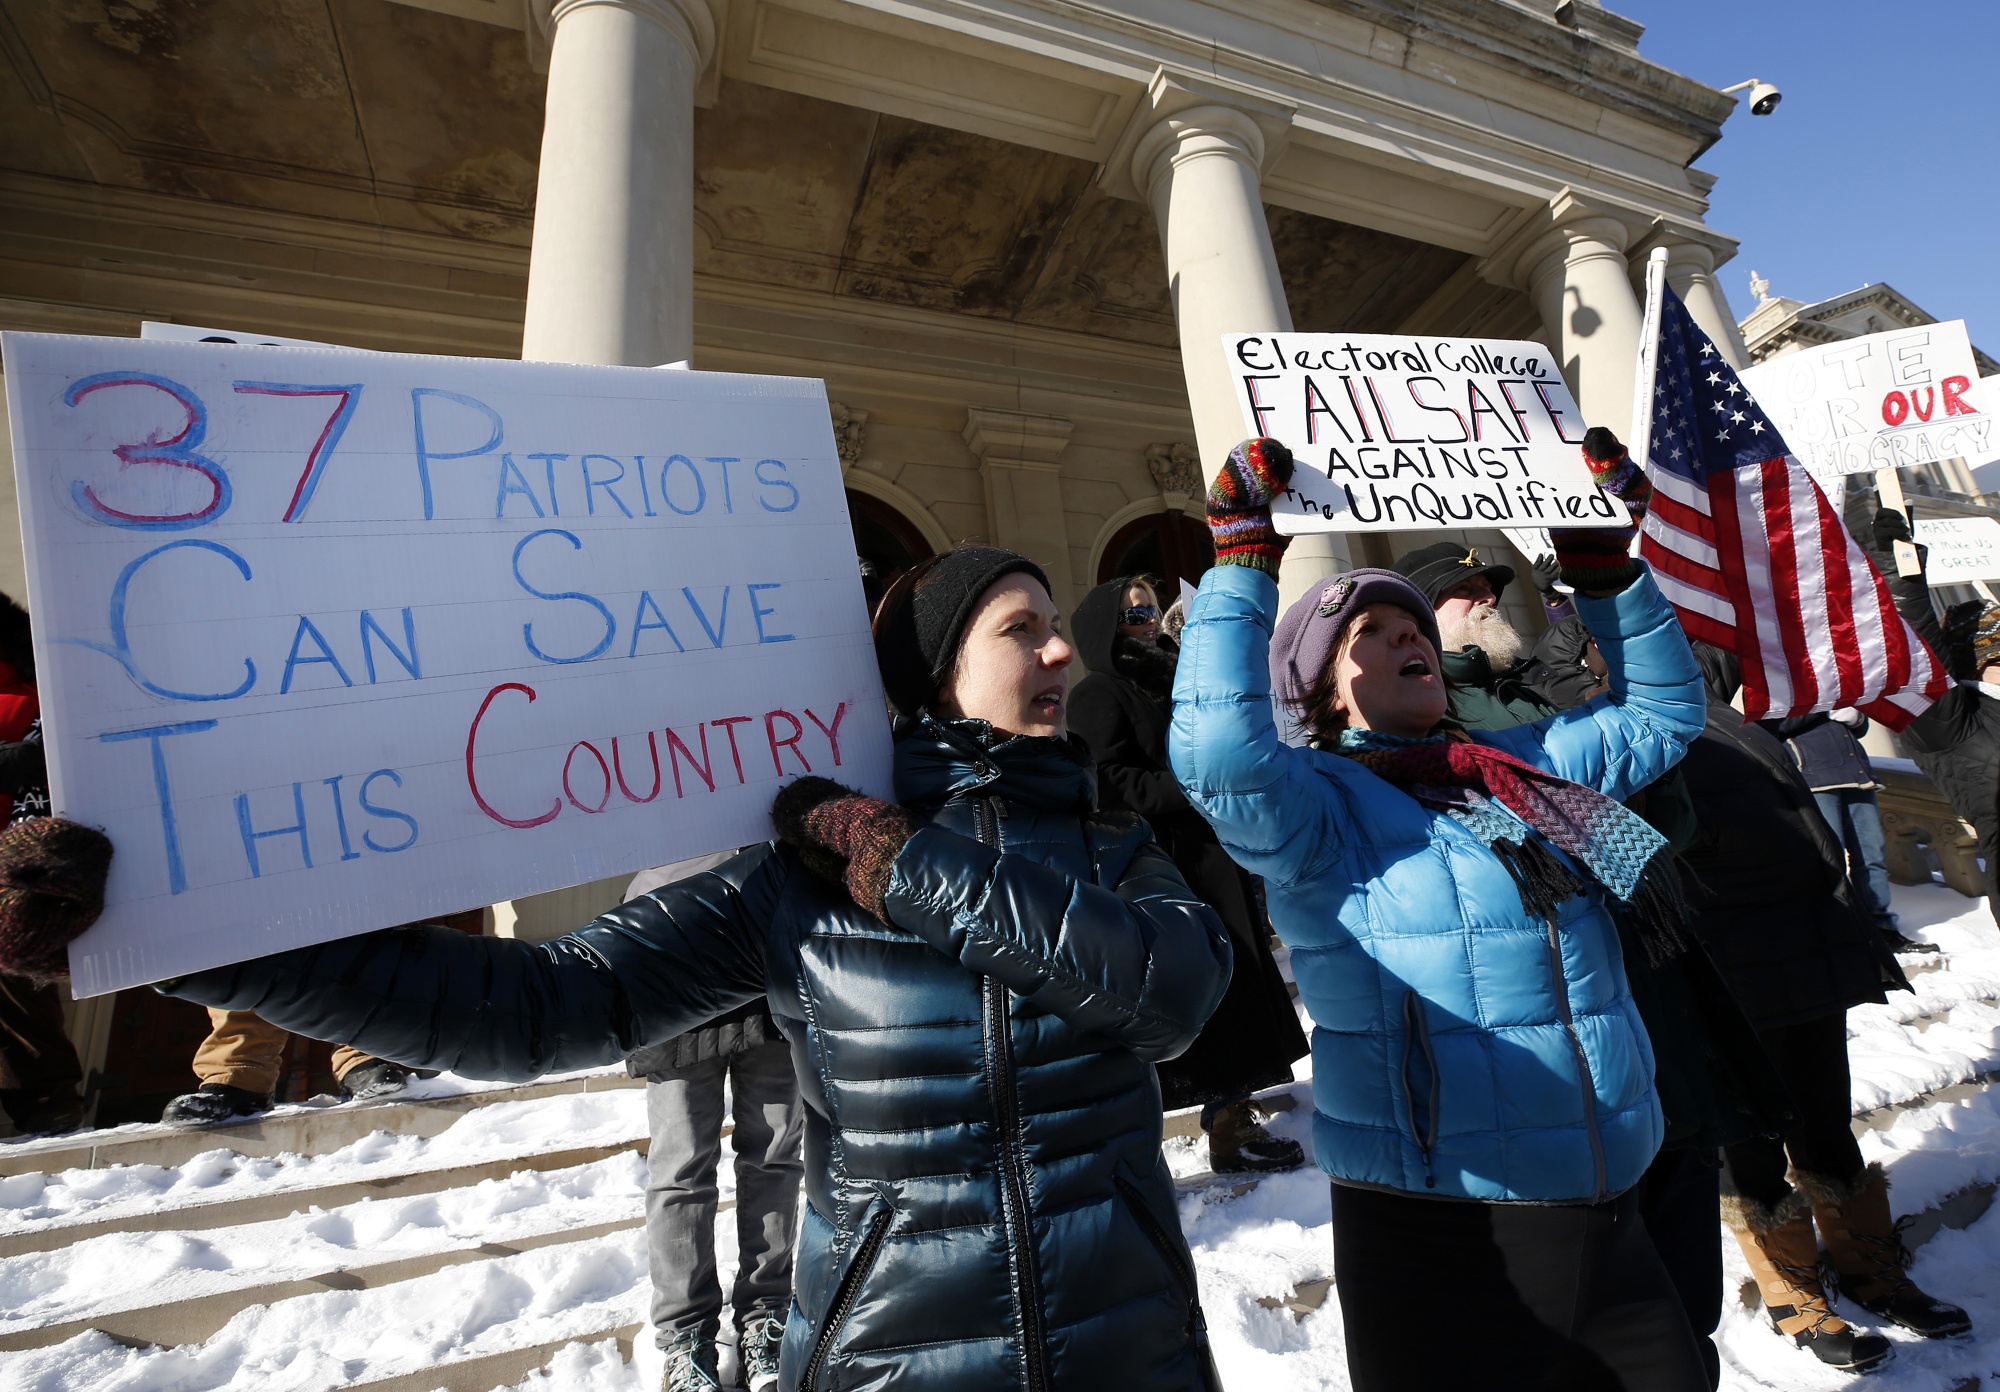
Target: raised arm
1143 964
1273 812
1622 740
429 997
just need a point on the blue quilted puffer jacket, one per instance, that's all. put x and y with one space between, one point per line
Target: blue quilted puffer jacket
1462 1047
987 1206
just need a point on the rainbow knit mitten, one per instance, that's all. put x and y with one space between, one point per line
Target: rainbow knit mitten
1239 505
844 836
1598 560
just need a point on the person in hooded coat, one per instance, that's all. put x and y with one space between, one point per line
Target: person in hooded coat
975 982
1777 913
1122 710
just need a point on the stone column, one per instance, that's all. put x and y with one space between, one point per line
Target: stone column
1198 161
1577 275
611 274
1691 262
1018 456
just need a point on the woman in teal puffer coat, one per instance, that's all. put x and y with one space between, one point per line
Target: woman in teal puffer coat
1482 1083
976 983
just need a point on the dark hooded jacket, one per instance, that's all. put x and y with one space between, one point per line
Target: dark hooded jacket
1774 908
987 1209
1121 710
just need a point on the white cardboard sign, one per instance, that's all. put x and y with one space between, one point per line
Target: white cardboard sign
1962 549
1396 433
331 640
1884 401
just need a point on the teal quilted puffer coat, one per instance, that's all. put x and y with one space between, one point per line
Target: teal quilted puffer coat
1462 1047
987 1207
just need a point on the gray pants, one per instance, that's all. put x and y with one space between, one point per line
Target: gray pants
684 1113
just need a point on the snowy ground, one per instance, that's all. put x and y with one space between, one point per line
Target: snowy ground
1257 1246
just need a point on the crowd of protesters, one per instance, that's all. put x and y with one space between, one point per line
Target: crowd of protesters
1575 940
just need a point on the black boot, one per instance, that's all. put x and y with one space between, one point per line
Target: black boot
1237 1144
213 1102
1898 943
377 1078
43 1113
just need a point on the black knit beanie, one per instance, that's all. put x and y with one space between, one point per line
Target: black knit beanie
923 617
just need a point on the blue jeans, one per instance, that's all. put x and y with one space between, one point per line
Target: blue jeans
1857 825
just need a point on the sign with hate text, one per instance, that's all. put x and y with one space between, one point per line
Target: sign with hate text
331 640
1961 549
1885 401
1398 433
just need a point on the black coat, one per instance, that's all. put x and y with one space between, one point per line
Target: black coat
1956 741
1121 710
987 1205
1717 1087
1957 745
1775 908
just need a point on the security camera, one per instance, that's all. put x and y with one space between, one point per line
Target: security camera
1764 98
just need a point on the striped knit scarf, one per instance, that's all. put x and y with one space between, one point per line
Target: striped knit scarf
1616 848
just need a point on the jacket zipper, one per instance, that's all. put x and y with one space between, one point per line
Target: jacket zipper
1013 1184
844 1298
1176 1260
1416 1034
1582 1059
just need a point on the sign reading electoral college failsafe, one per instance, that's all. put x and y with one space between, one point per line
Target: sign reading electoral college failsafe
1397 433
331 640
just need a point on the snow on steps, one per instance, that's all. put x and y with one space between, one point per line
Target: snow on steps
465 1254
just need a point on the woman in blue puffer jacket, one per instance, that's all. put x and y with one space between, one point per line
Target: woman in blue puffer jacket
975 983
1483 1086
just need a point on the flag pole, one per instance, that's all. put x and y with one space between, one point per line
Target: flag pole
1638 443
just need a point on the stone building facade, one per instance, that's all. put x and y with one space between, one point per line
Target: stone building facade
1007 233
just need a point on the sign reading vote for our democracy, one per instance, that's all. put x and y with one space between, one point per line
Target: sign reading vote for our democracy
331 640
1879 402
1397 433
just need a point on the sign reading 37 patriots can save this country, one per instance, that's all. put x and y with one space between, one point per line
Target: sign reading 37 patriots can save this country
1405 433
331 640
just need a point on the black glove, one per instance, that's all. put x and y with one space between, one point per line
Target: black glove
1891 527
1547 570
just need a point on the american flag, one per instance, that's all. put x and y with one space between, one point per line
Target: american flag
1750 552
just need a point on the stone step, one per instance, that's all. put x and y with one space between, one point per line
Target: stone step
311 1128
194 1321
254 1208
494 1370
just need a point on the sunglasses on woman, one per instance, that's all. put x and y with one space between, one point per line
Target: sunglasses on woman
1138 614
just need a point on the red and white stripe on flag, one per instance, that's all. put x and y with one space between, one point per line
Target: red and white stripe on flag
1756 561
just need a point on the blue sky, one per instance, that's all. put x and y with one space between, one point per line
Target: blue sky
1881 163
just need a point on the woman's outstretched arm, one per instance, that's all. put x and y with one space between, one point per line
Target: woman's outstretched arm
1274 812
430 997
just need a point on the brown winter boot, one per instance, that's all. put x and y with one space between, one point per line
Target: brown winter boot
1865 1246
1784 1257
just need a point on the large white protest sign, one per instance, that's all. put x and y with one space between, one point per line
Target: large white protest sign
1398 433
1962 549
1886 401
329 640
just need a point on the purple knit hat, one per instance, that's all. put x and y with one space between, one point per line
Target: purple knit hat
1311 628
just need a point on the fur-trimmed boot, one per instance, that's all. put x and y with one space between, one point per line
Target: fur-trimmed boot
1784 1257
1864 1246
